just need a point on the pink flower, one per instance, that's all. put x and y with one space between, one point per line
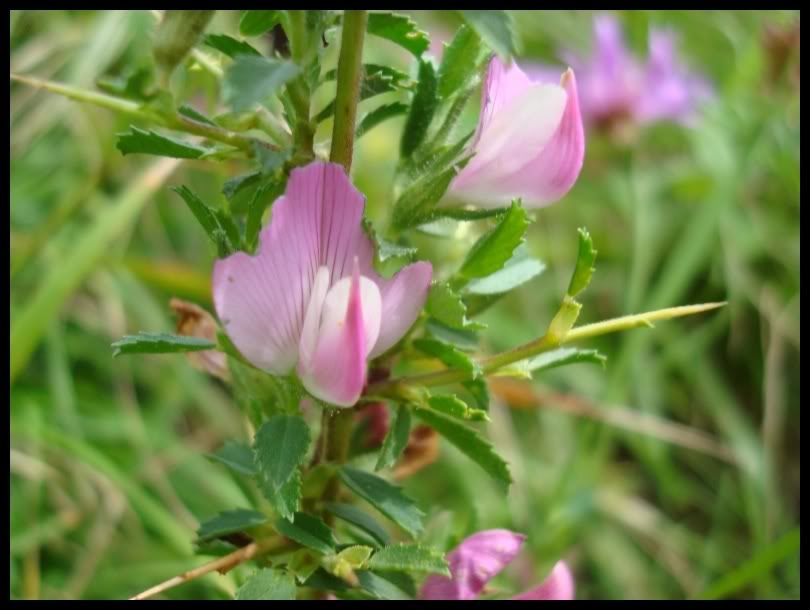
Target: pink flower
310 300
616 86
480 557
530 143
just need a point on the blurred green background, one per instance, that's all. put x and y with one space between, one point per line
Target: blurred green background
674 472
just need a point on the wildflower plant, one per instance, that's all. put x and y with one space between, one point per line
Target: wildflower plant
323 320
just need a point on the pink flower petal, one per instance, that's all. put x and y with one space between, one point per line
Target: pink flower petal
501 86
335 370
532 148
558 586
263 300
552 173
402 299
473 564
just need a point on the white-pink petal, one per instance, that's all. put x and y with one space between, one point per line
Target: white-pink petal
349 324
530 142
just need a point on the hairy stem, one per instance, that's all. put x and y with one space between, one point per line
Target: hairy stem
138 111
350 67
397 388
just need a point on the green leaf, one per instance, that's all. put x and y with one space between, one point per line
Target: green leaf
229 522
377 79
323 580
359 518
423 107
380 587
462 214
415 205
416 202
239 184
448 308
268 584
564 320
356 555
229 228
256 23
465 340
189 112
268 158
134 84
517 271
396 439
399 29
563 357
229 46
377 116
469 442
347 561
225 241
457 408
495 28
308 531
159 343
491 252
236 456
287 499
410 558
761 565
385 497
426 166
460 62
264 196
281 445
388 256
150 143
302 564
261 394
251 80
479 392
583 272
449 355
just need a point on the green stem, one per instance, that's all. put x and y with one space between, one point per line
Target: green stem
397 388
298 89
136 110
337 432
338 423
350 66
207 64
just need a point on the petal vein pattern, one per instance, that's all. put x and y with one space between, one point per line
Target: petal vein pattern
311 289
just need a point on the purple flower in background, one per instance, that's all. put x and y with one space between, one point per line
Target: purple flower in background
529 144
670 92
310 299
480 557
616 86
